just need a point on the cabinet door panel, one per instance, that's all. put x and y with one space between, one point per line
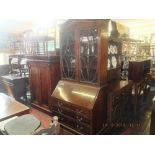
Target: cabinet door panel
35 84
88 55
44 84
68 55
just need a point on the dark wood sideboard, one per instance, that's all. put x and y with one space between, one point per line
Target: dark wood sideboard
15 86
44 73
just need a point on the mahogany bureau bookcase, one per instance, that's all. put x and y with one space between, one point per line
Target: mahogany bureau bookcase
80 97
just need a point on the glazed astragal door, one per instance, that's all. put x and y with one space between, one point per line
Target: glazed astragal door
88 55
68 55
114 59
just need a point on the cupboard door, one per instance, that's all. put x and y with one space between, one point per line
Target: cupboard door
44 84
35 84
68 55
88 55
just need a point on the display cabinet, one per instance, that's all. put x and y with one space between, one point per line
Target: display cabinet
81 51
80 98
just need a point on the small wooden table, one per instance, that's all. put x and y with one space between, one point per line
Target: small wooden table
9 107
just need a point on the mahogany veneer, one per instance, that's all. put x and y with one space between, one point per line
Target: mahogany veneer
15 86
9 107
79 106
119 101
79 99
44 73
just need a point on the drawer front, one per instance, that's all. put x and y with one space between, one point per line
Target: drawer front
71 110
71 113
73 123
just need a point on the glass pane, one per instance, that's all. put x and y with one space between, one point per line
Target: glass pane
114 59
88 55
50 46
41 48
68 55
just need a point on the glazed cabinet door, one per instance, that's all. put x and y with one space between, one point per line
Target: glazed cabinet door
89 55
68 61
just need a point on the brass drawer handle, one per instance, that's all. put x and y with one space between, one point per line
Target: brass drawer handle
60 103
61 118
60 110
79 127
79 118
79 111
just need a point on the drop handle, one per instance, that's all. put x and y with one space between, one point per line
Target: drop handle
79 127
79 111
60 104
79 118
60 110
61 118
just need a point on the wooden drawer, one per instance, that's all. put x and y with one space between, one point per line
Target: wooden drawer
72 114
71 109
73 123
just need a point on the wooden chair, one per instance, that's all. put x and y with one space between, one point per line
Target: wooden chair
141 91
138 94
147 86
152 124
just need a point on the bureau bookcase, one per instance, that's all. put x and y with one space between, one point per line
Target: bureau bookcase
80 97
